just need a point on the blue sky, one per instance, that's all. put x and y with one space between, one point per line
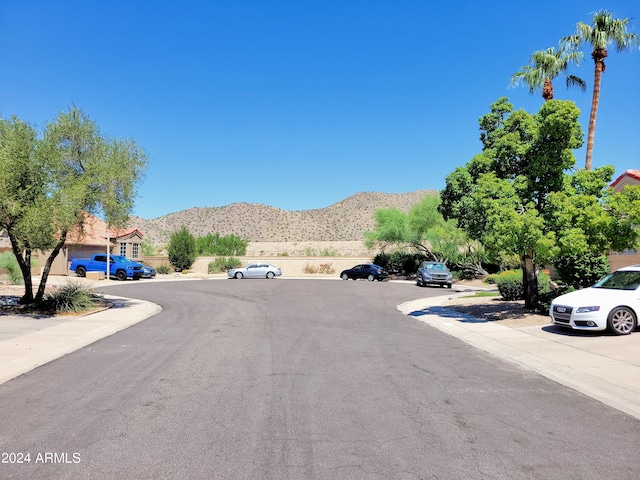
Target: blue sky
299 104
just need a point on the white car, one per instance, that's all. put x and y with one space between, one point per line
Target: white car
613 303
255 270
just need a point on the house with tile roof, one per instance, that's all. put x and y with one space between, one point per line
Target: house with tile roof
629 256
92 237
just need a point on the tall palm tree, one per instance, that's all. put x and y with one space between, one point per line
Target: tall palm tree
546 65
604 31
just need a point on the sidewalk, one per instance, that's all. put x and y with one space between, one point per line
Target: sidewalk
604 367
27 343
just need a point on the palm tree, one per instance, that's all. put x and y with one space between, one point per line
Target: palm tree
546 65
605 31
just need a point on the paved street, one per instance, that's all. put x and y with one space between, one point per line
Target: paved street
299 379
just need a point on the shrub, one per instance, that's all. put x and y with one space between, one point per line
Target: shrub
221 245
163 269
545 299
148 248
74 297
510 284
326 268
581 271
490 279
222 264
9 262
182 249
464 274
399 262
308 268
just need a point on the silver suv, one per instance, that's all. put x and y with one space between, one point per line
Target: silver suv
434 273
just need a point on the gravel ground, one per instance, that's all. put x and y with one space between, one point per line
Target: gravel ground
495 309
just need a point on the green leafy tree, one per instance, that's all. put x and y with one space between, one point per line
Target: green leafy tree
9 263
47 184
604 31
216 244
545 66
148 248
182 249
425 230
230 245
516 198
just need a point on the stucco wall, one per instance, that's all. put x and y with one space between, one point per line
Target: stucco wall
291 266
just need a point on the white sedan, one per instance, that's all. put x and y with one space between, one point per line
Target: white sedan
255 270
613 303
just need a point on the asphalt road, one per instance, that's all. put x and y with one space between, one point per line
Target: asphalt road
299 379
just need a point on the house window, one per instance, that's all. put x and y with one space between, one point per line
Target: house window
135 250
629 251
123 249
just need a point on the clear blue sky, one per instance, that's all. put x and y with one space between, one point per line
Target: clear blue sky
298 104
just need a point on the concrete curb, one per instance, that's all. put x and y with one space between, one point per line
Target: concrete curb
572 361
24 353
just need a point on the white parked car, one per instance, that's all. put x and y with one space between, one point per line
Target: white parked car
613 303
255 270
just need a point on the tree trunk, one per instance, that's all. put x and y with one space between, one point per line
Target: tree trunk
25 267
47 267
529 281
547 90
598 56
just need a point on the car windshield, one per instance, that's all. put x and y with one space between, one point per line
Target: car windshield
620 280
433 266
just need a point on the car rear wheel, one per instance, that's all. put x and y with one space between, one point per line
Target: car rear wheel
270 275
238 275
81 271
345 276
622 321
371 278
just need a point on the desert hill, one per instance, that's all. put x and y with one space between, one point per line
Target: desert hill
346 220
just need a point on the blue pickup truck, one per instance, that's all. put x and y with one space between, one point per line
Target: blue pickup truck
119 266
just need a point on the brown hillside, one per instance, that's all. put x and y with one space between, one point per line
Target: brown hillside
346 220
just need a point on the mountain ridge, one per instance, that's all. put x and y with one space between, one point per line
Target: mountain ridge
346 220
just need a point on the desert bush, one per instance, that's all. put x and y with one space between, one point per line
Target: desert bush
222 264
326 268
329 252
9 262
308 268
73 297
164 269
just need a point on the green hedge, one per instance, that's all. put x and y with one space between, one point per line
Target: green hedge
222 264
510 284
